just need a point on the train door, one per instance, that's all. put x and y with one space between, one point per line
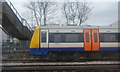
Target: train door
95 40
91 40
44 38
87 40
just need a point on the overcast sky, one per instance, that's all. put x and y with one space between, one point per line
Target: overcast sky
104 12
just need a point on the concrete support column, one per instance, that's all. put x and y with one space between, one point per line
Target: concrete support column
0 12
0 35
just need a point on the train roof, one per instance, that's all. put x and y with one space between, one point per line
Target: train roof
114 25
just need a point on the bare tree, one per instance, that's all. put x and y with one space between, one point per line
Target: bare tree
70 12
83 11
33 7
65 12
41 11
73 12
76 12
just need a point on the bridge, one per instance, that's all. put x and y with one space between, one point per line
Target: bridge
13 23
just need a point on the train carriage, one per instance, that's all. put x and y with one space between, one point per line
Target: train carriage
79 39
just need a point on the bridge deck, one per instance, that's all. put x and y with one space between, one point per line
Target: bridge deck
12 24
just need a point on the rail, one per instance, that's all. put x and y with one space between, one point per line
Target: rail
22 20
61 66
36 63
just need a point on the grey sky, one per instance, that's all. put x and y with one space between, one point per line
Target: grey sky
104 12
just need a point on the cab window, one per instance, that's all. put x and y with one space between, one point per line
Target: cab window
43 36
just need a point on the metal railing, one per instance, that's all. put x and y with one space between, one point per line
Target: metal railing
22 20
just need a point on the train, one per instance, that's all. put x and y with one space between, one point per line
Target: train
76 42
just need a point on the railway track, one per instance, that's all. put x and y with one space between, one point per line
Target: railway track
57 66
37 60
20 60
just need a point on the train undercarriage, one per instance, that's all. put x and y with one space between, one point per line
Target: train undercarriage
76 56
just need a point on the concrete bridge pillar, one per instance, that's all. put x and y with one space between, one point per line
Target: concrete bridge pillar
0 12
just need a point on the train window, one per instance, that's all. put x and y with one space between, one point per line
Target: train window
87 37
43 36
108 37
95 37
81 37
66 37
72 37
118 36
55 37
51 37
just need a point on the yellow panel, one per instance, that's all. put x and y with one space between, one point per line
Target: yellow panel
35 41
